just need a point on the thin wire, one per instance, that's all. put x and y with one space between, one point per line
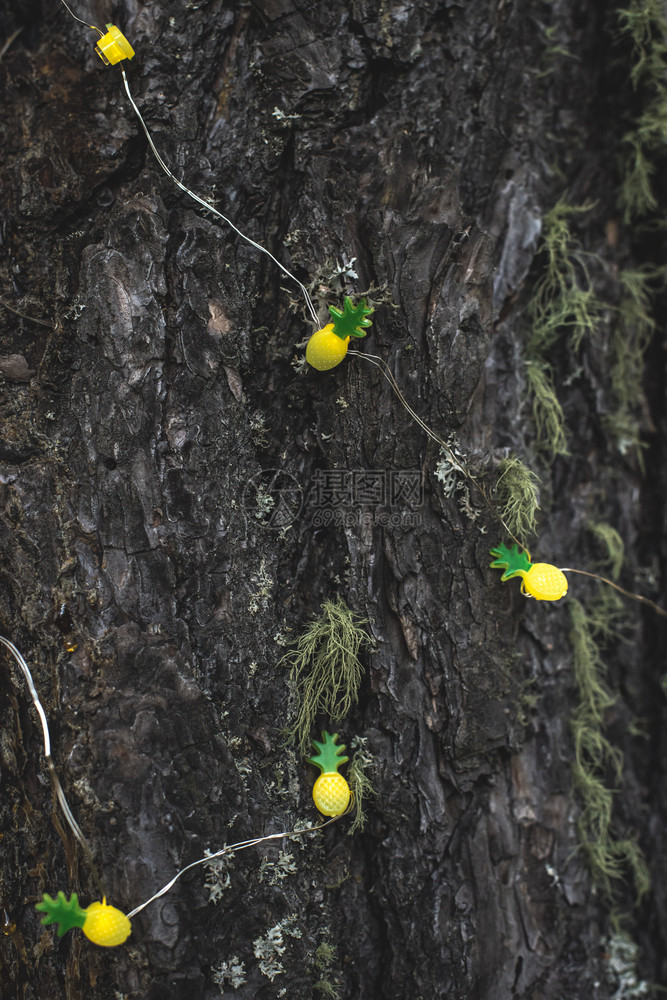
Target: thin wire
388 374
8 44
64 805
92 26
230 848
210 208
621 590
379 363
195 197
31 319
371 358
33 692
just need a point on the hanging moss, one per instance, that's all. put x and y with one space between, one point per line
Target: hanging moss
596 761
613 546
607 616
550 436
325 670
563 298
630 336
644 24
518 495
563 304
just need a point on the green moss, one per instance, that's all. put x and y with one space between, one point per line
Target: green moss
550 436
563 304
607 616
325 956
596 760
554 51
563 298
589 670
325 670
613 546
327 989
630 336
636 862
644 25
527 700
517 492
636 198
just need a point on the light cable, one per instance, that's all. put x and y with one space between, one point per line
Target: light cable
93 27
210 208
55 781
231 848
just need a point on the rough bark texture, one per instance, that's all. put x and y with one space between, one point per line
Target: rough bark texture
428 141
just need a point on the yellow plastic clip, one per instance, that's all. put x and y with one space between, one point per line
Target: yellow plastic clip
113 46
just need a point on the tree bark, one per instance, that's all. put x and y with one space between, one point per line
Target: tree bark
420 146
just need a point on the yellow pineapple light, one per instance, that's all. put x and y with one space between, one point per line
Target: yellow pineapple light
331 792
102 924
327 347
542 581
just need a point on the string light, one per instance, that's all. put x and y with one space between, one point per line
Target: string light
113 47
55 781
210 208
231 849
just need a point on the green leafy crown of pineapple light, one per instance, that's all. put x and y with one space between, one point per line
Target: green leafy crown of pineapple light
352 321
328 757
514 561
66 913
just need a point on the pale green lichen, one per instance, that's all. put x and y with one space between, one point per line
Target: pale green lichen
264 584
325 669
361 785
274 872
231 972
218 874
447 474
269 950
453 473
621 956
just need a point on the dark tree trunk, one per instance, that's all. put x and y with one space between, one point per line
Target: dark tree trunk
428 141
